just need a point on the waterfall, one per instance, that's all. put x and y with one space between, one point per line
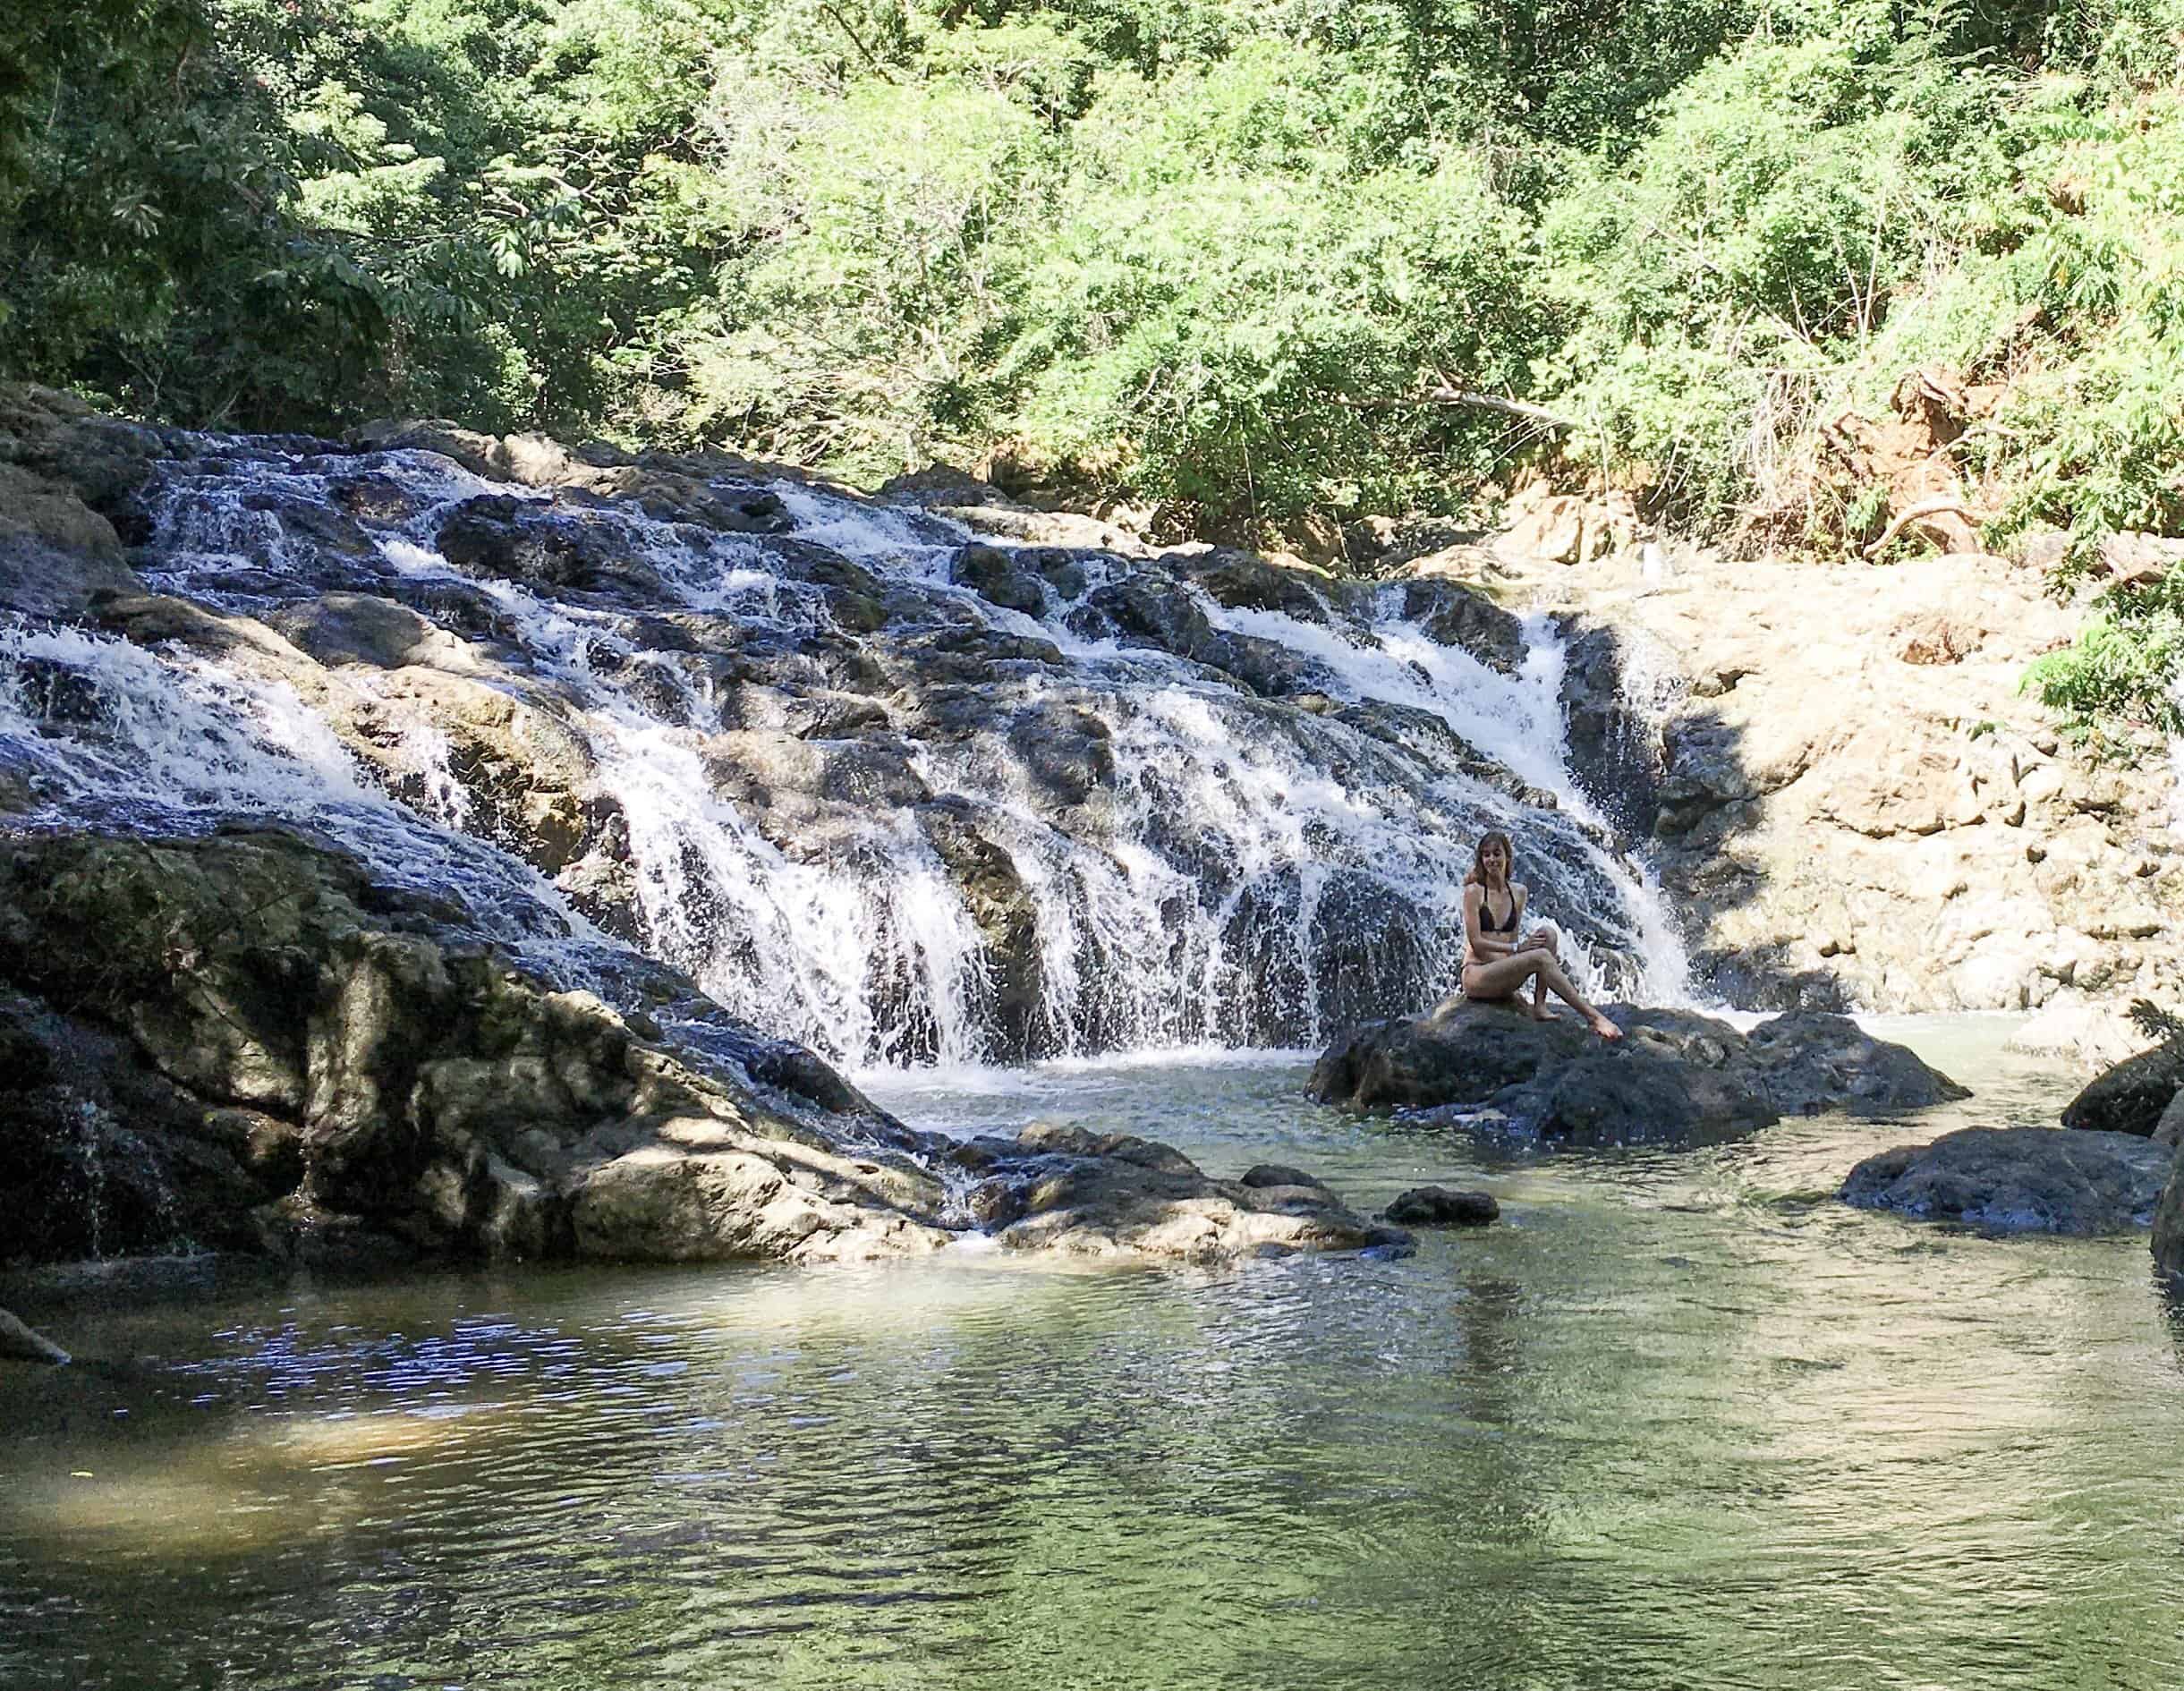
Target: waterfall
797 751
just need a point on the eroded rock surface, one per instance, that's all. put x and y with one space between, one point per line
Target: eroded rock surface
1675 1077
245 1040
2019 1180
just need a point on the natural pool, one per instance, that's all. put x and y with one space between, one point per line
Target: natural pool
1677 1421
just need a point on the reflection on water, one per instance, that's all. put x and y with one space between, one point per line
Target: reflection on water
1676 1422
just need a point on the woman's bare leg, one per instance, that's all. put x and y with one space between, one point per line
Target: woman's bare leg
1559 984
1546 938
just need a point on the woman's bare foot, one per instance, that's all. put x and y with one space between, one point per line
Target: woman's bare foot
1606 1029
1540 1013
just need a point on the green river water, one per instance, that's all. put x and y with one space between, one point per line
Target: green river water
1677 1421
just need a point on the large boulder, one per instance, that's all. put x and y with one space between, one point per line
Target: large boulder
1675 1077
2019 1180
2130 1097
245 1040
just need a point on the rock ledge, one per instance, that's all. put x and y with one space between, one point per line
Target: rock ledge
1675 1078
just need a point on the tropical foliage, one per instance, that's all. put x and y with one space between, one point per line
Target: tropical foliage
1238 261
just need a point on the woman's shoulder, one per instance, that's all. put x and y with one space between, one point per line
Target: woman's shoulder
1517 889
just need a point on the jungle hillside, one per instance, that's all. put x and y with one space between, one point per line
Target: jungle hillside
1856 279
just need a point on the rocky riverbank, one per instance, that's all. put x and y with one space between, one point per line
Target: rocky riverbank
246 1041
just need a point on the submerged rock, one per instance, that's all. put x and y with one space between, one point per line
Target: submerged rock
246 1041
2019 1180
1437 1206
1675 1077
2131 1097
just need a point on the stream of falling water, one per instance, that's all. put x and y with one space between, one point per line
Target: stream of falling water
1252 874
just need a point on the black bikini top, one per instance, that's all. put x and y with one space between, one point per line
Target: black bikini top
1487 924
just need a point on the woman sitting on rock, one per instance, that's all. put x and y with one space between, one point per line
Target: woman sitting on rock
1496 963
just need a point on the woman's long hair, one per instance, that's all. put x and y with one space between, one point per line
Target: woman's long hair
1477 878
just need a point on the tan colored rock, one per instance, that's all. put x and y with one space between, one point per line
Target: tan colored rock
1825 804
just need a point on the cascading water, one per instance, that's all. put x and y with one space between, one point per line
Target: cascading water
806 752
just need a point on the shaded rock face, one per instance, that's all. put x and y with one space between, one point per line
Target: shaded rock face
2019 1180
246 1041
1675 1078
1615 747
2132 1097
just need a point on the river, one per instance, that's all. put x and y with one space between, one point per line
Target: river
1677 1420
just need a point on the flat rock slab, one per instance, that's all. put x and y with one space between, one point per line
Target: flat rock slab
1437 1206
2019 1180
1675 1077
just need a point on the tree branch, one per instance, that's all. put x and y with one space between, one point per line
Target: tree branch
843 24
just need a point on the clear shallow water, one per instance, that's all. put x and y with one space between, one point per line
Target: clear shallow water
1673 1422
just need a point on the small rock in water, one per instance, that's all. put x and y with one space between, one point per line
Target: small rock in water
1279 1174
1437 1206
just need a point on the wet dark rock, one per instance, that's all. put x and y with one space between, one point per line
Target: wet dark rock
2131 1097
1808 1061
373 497
1675 1078
1148 609
1615 752
723 509
1463 616
553 547
2019 1180
1267 666
1702 778
1767 977
1007 916
360 628
993 575
1246 581
1066 751
1437 1206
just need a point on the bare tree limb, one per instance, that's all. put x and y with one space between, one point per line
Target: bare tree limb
1918 511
